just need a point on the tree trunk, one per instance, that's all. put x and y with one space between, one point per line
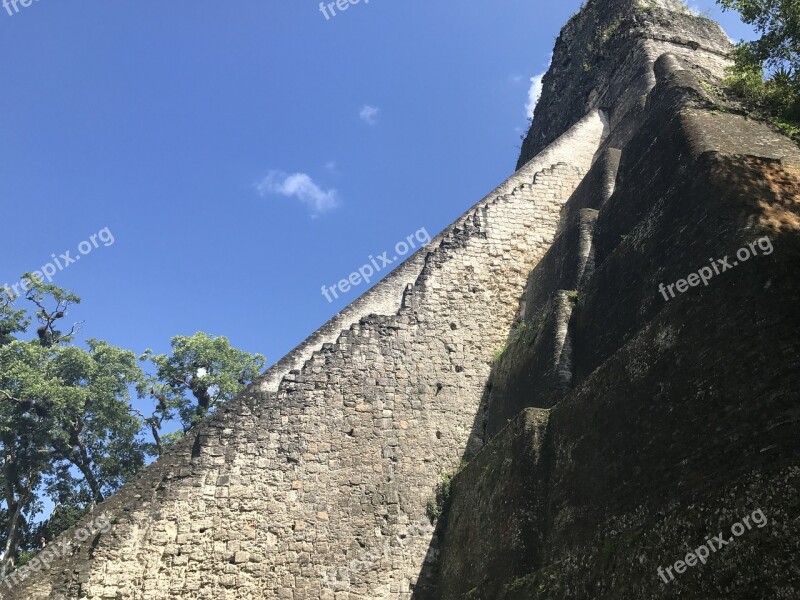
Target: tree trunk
16 503
200 392
156 438
84 464
79 457
12 538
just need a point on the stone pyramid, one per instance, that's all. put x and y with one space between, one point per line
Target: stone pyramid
519 411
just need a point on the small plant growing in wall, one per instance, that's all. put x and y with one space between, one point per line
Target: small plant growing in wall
497 355
576 298
609 31
438 505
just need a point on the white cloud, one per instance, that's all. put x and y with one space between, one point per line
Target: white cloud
300 187
330 166
535 91
369 114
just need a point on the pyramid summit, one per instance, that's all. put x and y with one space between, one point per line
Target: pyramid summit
604 58
517 411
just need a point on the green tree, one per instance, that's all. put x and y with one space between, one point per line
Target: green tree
25 427
68 510
66 427
96 431
12 321
199 374
41 294
776 53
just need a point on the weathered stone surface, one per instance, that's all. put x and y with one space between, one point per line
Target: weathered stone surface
309 491
535 369
681 417
497 502
604 59
622 427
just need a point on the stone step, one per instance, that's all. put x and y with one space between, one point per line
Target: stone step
596 188
567 265
535 369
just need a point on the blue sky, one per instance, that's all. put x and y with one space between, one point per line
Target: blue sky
244 154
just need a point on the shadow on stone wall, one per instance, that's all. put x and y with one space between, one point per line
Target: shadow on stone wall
683 413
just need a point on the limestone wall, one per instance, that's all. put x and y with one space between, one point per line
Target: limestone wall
319 490
386 297
604 57
317 482
680 418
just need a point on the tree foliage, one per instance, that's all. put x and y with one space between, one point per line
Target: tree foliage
70 434
201 372
767 71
